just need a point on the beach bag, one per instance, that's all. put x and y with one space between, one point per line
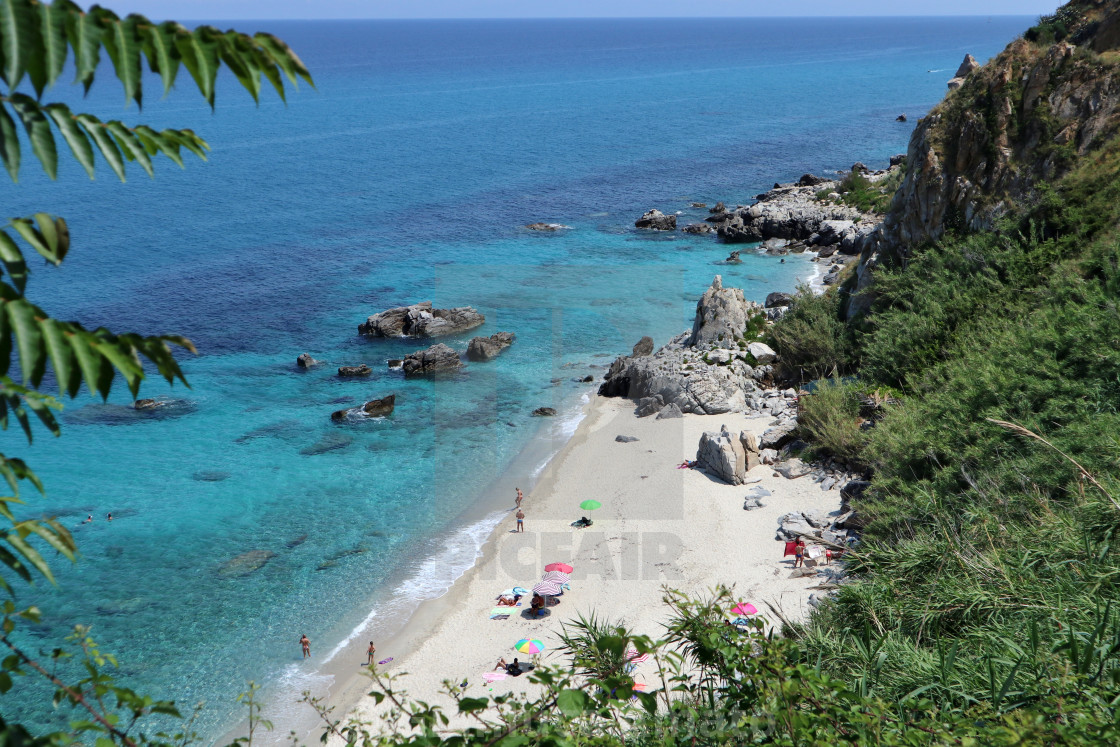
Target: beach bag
814 552
791 548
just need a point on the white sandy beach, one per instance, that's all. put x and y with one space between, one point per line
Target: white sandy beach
658 525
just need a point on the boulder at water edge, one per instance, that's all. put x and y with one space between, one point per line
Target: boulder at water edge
657 220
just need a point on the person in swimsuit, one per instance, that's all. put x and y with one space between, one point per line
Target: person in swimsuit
799 554
369 653
520 497
110 517
520 520
500 665
305 642
89 519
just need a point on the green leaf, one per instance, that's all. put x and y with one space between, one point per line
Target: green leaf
31 554
29 341
52 26
571 703
88 360
131 145
199 52
283 56
38 132
152 138
20 43
85 31
159 48
105 143
73 134
31 235
472 705
14 263
62 357
123 45
56 234
9 143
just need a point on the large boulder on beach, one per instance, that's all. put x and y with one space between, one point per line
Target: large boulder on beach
779 435
421 320
762 353
436 359
778 298
722 315
722 455
488 348
657 221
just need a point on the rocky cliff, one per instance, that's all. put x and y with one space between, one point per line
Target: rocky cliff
1020 120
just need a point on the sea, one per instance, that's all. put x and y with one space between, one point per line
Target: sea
243 516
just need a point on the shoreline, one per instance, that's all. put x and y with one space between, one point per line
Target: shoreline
342 685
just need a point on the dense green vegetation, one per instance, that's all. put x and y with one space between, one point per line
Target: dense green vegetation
857 191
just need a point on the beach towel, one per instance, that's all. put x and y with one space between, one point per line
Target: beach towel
494 676
385 661
791 548
500 613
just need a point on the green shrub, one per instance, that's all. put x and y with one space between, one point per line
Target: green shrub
811 338
830 421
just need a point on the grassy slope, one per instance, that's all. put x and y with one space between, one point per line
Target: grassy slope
988 550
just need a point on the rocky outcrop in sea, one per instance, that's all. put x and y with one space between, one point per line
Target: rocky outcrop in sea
421 320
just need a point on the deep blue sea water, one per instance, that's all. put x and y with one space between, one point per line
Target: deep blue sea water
406 175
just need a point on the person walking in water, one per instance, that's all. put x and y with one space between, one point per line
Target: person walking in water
520 497
520 520
305 642
369 653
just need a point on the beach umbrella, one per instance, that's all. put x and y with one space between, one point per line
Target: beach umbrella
548 588
744 608
634 657
562 567
560 576
529 646
590 505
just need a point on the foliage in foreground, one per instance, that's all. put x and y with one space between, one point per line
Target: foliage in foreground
38 42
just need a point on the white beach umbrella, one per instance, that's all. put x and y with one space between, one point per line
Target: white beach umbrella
559 576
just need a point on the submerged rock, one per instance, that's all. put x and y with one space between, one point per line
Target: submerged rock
210 476
543 412
380 407
362 370
548 227
245 563
421 320
329 442
306 361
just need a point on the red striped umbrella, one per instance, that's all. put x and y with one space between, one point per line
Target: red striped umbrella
563 578
633 657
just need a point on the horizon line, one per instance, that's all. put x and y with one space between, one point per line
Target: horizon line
620 18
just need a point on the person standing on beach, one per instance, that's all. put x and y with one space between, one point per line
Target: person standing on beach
369 653
799 553
520 497
305 642
520 520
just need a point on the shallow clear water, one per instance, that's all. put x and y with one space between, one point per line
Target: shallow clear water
407 175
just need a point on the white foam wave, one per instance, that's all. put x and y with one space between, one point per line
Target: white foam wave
435 574
357 631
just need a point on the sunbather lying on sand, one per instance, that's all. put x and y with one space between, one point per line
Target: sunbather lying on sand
582 523
500 665
508 601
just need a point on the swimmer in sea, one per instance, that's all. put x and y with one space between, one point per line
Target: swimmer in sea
305 642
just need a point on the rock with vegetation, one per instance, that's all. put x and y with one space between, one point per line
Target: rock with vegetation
421 320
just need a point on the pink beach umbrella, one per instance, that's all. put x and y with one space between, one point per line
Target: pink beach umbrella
634 657
744 608
562 567
563 578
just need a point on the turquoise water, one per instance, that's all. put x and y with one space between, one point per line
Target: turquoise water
407 175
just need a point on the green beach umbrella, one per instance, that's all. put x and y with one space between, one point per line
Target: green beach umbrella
529 646
590 505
